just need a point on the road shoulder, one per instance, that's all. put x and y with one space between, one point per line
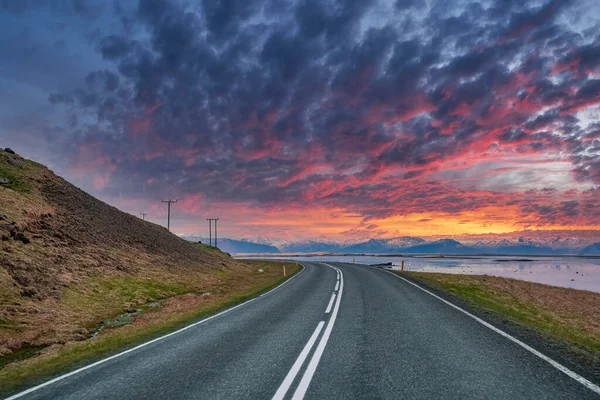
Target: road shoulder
580 360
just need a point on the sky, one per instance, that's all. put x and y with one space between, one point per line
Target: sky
300 119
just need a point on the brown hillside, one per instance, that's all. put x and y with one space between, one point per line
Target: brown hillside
68 260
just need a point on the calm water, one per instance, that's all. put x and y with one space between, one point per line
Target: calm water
571 272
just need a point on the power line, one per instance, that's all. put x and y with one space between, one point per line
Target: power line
143 215
169 211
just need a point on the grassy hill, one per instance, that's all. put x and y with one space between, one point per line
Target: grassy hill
69 263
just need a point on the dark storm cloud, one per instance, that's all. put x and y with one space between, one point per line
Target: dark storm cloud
537 17
57 98
335 20
82 8
582 59
407 4
104 80
114 47
15 7
282 102
589 91
224 17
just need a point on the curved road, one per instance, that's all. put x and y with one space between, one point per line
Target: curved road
336 331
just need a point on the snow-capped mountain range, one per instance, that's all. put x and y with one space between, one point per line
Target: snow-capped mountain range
410 244
555 243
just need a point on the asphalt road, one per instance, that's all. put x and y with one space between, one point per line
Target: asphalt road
379 337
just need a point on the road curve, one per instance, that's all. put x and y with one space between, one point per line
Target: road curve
334 331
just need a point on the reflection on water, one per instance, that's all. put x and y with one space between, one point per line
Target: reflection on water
572 272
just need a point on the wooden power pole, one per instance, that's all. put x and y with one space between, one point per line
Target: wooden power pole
209 231
216 220
169 212
210 220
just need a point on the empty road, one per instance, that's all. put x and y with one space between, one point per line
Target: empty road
334 331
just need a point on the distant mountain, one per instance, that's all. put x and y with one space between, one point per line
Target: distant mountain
404 242
565 243
237 246
243 246
521 249
518 245
539 242
411 244
443 246
562 243
312 246
370 246
591 249
278 242
393 245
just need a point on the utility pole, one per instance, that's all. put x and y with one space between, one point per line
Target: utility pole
169 211
210 220
143 215
209 231
216 220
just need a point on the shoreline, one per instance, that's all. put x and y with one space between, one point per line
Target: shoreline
581 273
468 256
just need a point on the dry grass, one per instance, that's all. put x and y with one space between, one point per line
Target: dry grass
85 262
569 314
172 313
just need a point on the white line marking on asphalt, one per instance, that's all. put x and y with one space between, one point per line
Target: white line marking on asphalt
59 378
289 379
593 387
314 362
337 285
330 304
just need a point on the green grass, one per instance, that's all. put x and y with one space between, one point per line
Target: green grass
76 354
17 183
209 248
21 354
100 295
17 175
516 305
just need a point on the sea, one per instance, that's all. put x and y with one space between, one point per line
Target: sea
565 271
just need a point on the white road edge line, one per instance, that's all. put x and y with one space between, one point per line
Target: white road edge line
289 378
590 385
59 378
337 285
314 361
330 304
